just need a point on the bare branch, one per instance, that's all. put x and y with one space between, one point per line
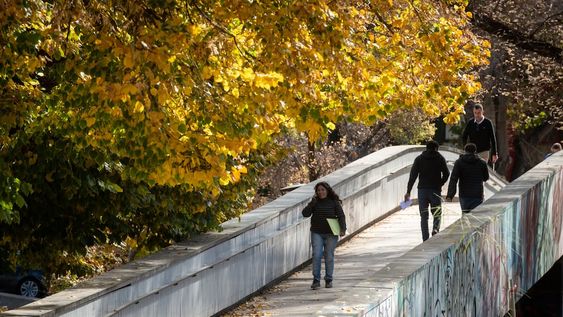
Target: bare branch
537 29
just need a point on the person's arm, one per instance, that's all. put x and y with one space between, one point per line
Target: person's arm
493 141
485 172
412 178
452 186
341 218
465 134
308 211
445 171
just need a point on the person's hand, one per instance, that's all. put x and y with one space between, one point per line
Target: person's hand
494 158
407 197
342 233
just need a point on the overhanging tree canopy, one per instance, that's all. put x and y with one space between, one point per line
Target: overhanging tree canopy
141 103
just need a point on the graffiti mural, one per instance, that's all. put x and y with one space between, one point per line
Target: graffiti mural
501 251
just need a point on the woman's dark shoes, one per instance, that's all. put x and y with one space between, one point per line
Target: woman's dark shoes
316 284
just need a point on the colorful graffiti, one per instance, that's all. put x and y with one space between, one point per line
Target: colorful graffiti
500 251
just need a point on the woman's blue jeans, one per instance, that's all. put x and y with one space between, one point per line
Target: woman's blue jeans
323 244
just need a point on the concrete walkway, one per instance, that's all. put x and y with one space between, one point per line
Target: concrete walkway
356 259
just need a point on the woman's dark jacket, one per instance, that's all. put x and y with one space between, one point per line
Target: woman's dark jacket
471 171
321 209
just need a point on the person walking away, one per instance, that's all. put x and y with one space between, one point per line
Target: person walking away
324 205
432 172
471 171
480 131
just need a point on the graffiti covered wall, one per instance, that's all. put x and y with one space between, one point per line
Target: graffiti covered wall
486 261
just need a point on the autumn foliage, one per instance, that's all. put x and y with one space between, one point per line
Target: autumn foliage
147 121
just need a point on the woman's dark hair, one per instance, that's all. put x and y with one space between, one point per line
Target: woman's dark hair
330 192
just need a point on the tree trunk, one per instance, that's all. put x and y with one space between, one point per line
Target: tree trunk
311 164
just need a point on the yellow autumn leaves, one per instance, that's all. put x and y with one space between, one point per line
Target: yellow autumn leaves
247 75
184 94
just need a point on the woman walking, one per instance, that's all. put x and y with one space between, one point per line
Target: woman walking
325 205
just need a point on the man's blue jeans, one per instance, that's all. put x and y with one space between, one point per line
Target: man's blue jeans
469 203
323 244
429 197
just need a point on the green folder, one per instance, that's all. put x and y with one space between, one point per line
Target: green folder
334 226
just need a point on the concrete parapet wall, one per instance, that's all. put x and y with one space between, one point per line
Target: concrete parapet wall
479 266
213 271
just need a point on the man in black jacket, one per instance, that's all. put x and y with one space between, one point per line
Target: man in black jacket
481 132
471 171
431 169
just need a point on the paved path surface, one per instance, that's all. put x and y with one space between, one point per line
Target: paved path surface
356 259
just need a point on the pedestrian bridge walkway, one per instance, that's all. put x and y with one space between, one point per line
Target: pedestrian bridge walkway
478 266
356 260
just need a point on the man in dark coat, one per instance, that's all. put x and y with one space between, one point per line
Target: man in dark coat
431 169
471 171
481 132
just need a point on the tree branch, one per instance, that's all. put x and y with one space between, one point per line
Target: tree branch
544 22
521 40
221 28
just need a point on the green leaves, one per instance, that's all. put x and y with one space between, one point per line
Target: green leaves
12 195
111 187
